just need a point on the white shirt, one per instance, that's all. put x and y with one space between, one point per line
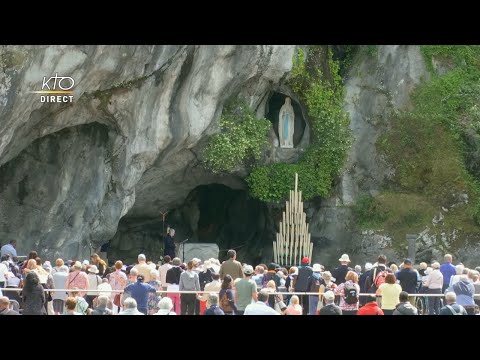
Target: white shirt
214 285
259 308
434 280
163 273
11 280
93 282
8 249
3 271
59 282
454 279
104 287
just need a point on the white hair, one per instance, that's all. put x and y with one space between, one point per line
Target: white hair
459 269
358 268
154 273
451 297
130 303
134 271
102 300
142 257
165 304
63 268
213 299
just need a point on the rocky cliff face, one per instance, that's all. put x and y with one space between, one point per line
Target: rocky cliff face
127 143
378 85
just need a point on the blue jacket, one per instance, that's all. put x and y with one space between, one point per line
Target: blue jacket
447 270
465 291
214 310
139 291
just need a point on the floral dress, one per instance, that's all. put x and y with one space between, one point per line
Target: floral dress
153 298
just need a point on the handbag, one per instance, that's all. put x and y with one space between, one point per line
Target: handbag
116 299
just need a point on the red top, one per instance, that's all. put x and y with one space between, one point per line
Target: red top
370 308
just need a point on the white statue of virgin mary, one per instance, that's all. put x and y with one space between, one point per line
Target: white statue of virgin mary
286 124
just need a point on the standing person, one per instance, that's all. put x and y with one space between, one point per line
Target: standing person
258 277
408 279
215 285
31 255
130 307
291 278
377 276
214 309
227 300
118 281
81 304
245 291
106 290
93 281
434 285
371 307
143 268
330 308
301 283
169 244
33 296
99 263
165 306
59 282
390 292
404 307
102 309
326 285
464 292
58 264
204 276
5 306
139 291
231 267
313 285
294 308
362 282
4 269
260 307
163 271
153 298
448 270
348 292
70 306
188 282
9 249
78 279
341 271
452 308
173 281
271 275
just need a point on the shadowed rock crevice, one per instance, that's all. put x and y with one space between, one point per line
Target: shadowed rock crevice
212 213
36 187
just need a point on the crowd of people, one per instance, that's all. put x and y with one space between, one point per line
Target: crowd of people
231 288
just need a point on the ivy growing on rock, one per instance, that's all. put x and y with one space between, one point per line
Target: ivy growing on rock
242 138
315 79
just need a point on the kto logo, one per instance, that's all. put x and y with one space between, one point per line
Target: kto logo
57 89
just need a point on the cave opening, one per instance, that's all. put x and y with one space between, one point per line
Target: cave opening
213 213
274 105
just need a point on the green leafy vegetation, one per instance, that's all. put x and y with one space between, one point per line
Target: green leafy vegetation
316 80
242 138
435 150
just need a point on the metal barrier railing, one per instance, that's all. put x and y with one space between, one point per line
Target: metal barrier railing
211 292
